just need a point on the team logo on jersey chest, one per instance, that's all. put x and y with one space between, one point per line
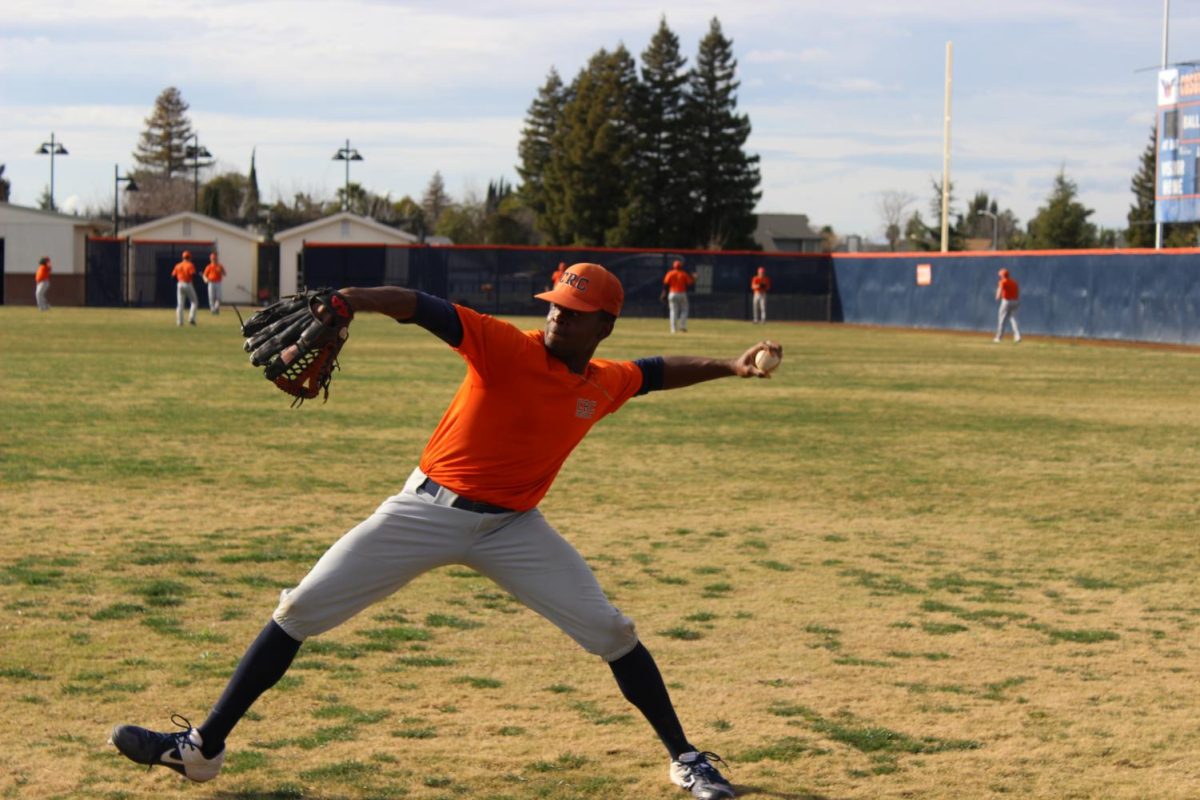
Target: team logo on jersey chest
584 408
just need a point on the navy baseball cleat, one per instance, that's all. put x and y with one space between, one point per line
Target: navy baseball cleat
180 751
692 771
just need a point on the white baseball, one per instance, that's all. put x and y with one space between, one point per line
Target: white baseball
766 360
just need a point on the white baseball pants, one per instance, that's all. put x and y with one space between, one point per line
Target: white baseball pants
760 308
678 303
1008 313
185 292
214 297
39 294
413 532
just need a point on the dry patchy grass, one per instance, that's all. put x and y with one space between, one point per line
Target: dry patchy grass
908 566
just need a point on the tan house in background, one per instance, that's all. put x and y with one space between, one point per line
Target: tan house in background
27 234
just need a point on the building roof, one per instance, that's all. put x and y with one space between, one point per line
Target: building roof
367 222
11 211
790 227
202 219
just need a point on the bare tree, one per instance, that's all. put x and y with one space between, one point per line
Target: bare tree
891 206
157 196
435 201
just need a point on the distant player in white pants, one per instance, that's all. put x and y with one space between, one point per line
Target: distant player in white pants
214 273
1008 293
760 284
675 286
184 272
42 279
529 397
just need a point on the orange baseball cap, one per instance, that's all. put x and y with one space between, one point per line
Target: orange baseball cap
186 254
676 264
587 287
1003 273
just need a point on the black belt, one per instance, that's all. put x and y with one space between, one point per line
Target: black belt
430 487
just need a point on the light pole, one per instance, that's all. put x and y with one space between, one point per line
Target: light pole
52 149
194 153
995 225
347 154
132 187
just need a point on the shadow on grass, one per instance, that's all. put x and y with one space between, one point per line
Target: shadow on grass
744 790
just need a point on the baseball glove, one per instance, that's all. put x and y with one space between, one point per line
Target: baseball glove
297 346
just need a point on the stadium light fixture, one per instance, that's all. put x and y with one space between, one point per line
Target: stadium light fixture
347 154
52 148
194 153
118 178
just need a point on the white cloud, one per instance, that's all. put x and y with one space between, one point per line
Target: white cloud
804 56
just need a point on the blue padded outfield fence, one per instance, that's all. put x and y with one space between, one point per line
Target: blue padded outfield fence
1136 295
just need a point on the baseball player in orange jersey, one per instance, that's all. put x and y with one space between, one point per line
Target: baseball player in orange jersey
527 400
183 273
214 273
1008 293
41 279
760 284
675 286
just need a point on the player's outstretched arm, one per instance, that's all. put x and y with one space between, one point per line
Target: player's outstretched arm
396 302
434 314
680 371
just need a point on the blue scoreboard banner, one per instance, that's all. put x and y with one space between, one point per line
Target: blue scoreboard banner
1177 179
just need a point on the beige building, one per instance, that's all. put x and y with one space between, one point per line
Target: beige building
155 247
27 234
343 228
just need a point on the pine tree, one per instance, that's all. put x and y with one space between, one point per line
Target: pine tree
1140 232
163 143
724 179
541 122
587 179
660 211
5 186
1063 222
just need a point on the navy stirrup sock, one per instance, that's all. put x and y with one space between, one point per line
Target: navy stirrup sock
642 685
265 662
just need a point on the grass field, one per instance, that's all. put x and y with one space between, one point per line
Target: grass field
912 565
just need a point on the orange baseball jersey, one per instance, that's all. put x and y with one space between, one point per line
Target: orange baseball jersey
515 393
760 284
1009 290
677 280
43 273
184 272
214 272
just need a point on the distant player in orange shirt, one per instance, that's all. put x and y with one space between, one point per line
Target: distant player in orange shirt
675 286
528 398
557 275
41 280
1008 293
214 273
184 273
760 284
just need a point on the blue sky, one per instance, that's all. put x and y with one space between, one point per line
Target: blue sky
845 98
